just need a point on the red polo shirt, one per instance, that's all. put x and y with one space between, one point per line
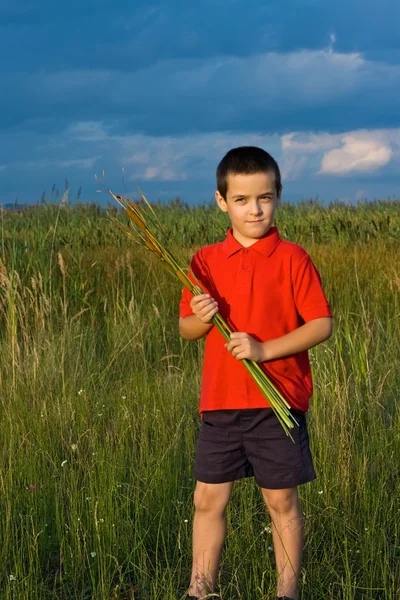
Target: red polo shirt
265 290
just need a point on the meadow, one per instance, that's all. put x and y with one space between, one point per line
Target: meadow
98 412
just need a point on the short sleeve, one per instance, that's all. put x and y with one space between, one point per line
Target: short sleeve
310 299
185 309
198 267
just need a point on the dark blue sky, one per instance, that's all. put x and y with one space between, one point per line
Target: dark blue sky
157 92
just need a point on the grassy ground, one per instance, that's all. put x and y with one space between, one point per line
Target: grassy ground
98 413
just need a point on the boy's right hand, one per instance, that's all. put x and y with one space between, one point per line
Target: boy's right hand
204 307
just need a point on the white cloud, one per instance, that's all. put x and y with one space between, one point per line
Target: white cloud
332 39
299 149
78 163
309 143
159 174
355 156
139 158
88 131
353 152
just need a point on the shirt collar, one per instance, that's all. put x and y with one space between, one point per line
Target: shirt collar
265 245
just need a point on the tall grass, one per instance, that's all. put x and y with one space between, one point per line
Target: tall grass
98 413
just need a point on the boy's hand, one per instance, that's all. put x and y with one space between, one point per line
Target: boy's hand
204 307
243 345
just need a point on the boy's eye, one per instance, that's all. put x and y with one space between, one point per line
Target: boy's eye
239 199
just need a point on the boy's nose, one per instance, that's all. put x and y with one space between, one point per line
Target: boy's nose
255 209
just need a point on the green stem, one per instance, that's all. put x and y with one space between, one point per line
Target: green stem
278 403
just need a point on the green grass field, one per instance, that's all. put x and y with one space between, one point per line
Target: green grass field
99 420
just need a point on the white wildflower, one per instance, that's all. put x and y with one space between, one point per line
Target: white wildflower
268 529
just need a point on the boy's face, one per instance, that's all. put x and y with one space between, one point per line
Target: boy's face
250 202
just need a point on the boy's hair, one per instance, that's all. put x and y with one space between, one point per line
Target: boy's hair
246 160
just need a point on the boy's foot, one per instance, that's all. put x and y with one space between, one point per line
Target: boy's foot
197 598
209 595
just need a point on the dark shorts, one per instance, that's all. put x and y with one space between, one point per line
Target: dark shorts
244 443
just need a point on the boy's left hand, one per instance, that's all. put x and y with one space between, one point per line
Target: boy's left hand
243 345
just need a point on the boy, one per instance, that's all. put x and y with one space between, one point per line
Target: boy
270 293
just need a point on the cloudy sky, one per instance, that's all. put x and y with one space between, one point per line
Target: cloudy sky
155 93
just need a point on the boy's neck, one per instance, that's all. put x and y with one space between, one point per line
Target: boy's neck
247 242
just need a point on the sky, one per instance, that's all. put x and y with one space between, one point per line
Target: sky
155 93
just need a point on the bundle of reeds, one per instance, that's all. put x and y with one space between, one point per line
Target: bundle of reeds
149 232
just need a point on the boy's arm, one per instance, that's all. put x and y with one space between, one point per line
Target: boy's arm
191 328
243 345
197 325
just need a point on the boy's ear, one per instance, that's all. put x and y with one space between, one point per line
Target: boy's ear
221 201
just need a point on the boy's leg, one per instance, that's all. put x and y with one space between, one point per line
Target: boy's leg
288 535
209 531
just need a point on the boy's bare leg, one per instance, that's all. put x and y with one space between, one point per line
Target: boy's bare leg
288 536
209 531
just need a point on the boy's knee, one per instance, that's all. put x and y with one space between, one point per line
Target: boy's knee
281 501
211 497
